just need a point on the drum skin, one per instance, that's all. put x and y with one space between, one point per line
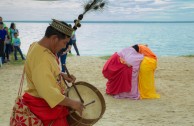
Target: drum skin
92 112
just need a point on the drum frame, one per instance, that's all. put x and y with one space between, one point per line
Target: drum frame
79 121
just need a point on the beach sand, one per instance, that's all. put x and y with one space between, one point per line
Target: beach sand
174 81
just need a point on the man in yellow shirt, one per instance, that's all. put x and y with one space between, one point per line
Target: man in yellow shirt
45 88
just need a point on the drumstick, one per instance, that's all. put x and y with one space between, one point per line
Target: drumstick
82 101
89 103
65 82
84 105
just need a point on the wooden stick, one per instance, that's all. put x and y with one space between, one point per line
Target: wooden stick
65 82
89 103
73 84
84 105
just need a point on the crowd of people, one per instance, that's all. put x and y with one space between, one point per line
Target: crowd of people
9 42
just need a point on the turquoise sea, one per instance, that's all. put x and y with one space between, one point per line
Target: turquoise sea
105 38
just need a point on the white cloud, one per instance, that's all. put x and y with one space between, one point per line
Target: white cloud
116 10
188 6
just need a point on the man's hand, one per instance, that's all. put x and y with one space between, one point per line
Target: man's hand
75 105
64 53
70 79
78 106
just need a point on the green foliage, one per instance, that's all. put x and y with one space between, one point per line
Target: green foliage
16 62
104 57
188 55
20 61
70 55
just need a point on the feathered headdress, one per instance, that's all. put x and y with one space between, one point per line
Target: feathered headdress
92 5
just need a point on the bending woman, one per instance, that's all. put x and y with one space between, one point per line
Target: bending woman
121 70
146 74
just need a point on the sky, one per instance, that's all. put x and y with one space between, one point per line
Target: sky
115 10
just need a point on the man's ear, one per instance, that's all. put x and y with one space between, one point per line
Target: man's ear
54 38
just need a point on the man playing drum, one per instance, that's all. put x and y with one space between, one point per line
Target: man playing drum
45 88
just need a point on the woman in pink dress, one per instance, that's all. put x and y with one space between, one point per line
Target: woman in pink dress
122 70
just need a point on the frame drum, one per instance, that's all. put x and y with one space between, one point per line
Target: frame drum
94 105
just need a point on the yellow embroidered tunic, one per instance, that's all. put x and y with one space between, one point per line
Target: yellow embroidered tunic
42 74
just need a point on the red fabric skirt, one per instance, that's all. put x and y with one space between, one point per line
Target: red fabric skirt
42 110
119 76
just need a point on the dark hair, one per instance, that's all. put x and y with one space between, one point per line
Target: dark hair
136 47
12 25
51 31
70 25
1 23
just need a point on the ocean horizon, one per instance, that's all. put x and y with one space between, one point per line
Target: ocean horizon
48 21
101 38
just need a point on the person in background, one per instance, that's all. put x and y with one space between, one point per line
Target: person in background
146 73
122 70
3 34
73 37
130 73
7 44
62 54
1 20
17 44
12 31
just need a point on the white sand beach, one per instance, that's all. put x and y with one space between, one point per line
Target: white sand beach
174 82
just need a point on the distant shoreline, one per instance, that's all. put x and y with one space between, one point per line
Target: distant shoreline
99 39
106 21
